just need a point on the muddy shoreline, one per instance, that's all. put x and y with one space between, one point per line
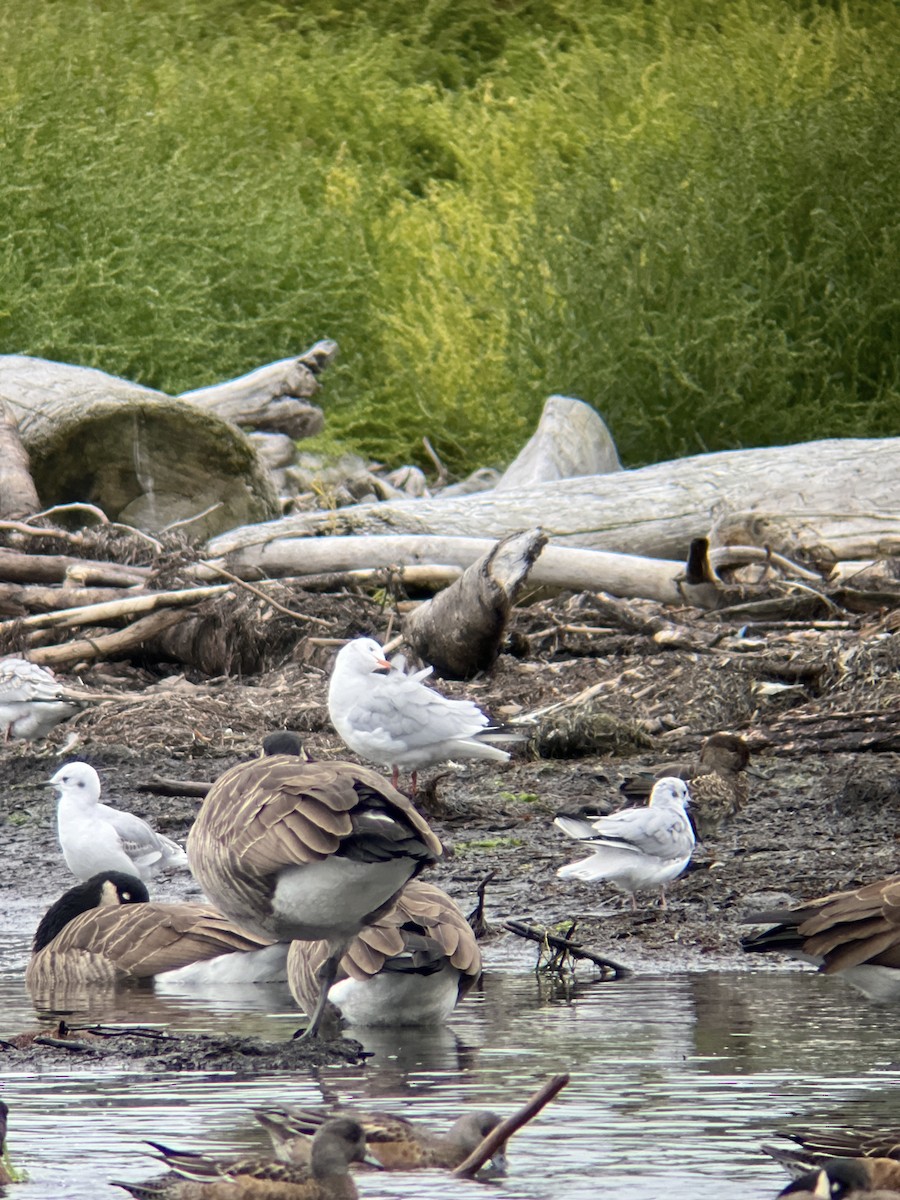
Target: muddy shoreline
815 821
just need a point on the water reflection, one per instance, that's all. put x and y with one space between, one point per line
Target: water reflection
675 1081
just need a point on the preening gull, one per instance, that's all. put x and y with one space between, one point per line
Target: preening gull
95 837
637 848
32 700
396 720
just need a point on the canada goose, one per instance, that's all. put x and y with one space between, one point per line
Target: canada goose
637 848
95 837
718 782
335 1146
397 721
307 850
855 934
410 967
106 931
849 1179
395 1142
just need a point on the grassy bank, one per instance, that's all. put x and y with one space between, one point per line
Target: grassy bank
685 214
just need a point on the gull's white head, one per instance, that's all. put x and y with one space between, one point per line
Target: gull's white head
670 790
77 779
364 655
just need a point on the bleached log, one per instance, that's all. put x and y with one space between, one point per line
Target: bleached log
273 398
118 644
18 495
20 599
836 489
571 439
61 568
561 568
116 610
146 459
459 631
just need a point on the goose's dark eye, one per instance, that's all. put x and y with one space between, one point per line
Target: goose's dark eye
126 895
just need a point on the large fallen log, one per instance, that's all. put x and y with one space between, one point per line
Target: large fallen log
558 567
151 460
827 493
18 497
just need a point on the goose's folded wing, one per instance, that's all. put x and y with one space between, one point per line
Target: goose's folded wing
143 940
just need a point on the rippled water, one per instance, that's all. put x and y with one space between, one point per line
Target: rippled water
675 1081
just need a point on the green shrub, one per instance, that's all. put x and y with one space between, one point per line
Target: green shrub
685 214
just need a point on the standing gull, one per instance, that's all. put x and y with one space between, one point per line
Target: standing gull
638 848
395 720
718 782
95 837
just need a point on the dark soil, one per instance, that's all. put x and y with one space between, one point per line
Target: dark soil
818 702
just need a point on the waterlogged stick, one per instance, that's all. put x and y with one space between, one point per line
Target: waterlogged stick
511 1125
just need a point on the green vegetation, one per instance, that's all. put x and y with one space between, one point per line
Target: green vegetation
498 843
685 213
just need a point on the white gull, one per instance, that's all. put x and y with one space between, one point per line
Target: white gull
32 700
396 720
636 849
95 837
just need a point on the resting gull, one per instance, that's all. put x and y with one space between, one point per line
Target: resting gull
95 837
32 699
637 848
396 720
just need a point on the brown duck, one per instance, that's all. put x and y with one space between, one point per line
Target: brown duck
396 1143
849 1179
325 1176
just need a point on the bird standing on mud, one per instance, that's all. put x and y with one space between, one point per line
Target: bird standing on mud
635 849
391 717
96 837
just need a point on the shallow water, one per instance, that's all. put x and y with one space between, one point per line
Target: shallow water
675 1081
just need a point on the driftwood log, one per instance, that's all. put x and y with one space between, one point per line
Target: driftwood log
571 439
828 495
460 630
558 568
18 496
272 398
155 461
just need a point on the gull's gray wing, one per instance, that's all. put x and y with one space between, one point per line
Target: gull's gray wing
143 845
658 831
413 715
23 682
